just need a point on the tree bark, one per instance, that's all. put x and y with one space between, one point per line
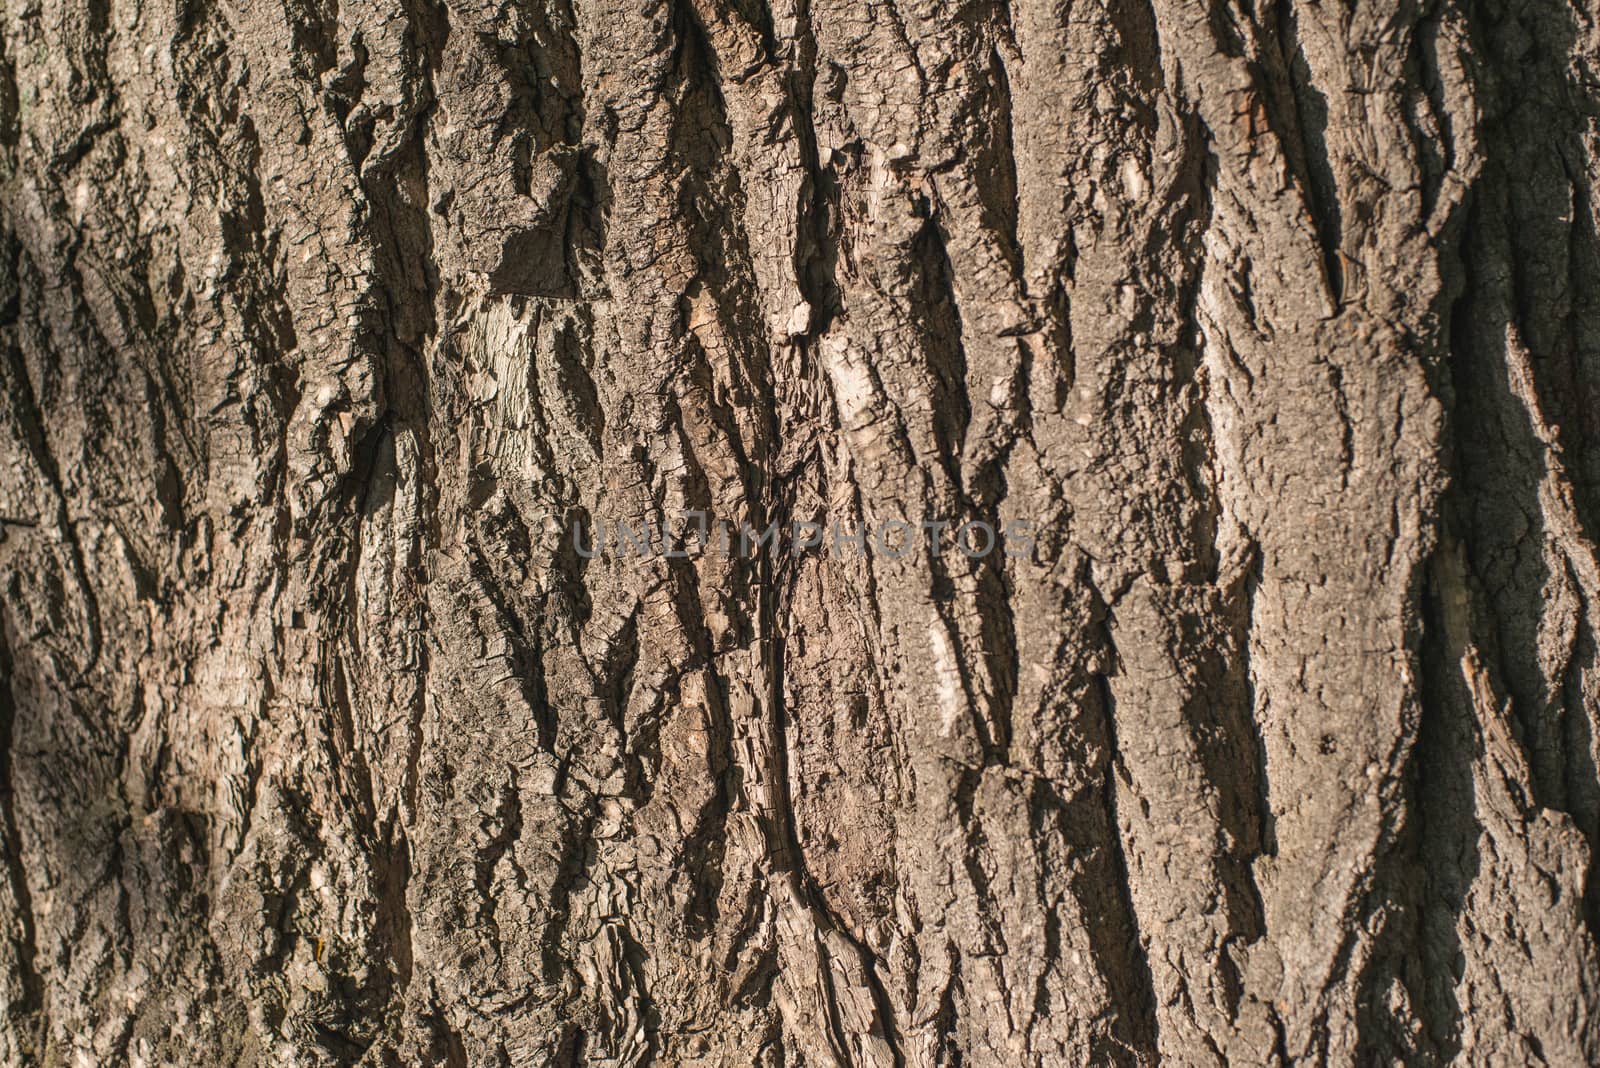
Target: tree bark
333 334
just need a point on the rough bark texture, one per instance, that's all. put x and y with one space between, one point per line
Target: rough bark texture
321 324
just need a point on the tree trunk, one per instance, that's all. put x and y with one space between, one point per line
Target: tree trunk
369 373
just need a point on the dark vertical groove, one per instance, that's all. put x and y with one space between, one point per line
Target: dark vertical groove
1444 800
1127 965
1507 268
1304 140
30 421
1131 966
33 1003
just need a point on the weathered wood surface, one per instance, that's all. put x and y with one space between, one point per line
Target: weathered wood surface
321 325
